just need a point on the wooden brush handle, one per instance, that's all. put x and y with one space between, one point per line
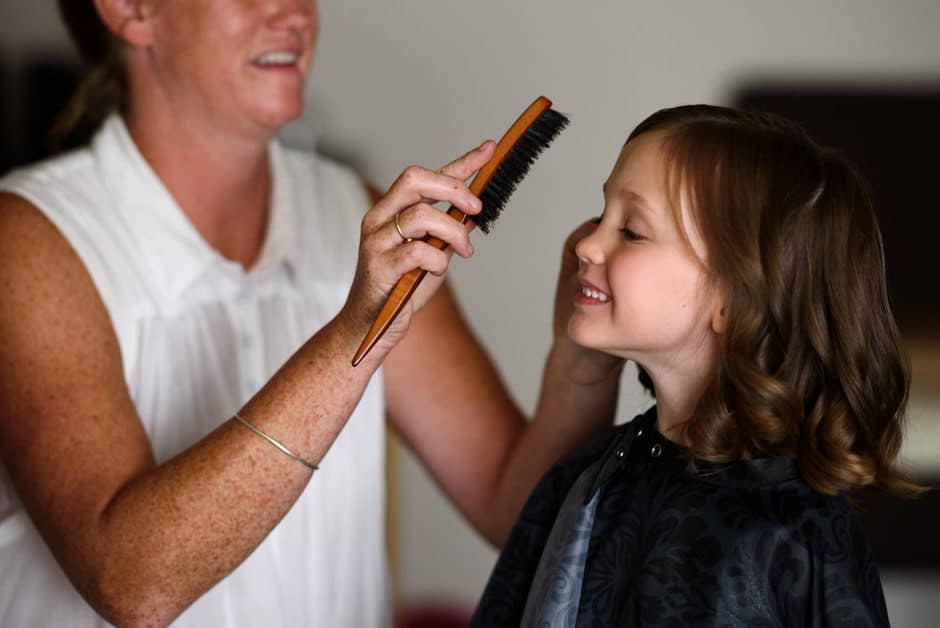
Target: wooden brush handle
409 282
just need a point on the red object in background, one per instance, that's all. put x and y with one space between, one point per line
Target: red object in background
432 615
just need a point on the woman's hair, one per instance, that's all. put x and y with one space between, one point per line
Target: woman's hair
810 362
104 87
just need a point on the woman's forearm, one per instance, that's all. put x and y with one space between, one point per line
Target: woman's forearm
578 398
170 534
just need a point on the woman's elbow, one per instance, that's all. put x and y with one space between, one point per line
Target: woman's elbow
132 601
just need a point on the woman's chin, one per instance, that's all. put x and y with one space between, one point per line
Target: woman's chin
276 113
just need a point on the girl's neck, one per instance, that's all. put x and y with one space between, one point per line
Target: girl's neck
221 182
677 395
671 417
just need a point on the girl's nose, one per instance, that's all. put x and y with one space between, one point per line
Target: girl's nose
589 249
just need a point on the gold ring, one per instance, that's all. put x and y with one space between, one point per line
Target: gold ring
404 238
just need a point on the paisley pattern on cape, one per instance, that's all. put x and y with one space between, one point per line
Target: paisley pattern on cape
743 544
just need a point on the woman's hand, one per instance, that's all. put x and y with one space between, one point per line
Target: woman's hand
388 250
583 365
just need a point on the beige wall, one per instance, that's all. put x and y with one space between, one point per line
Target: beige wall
28 25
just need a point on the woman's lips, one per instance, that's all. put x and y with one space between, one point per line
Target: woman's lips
278 60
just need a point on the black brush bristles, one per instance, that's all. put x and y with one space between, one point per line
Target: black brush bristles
515 165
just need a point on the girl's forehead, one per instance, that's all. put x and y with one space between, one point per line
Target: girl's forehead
640 178
640 170
642 155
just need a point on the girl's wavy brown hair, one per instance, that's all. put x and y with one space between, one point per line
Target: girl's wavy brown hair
811 365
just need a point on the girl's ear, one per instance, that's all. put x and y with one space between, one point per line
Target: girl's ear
718 320
129 20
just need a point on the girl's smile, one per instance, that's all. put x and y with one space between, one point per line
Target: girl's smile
591 294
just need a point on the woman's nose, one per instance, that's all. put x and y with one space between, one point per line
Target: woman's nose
294 14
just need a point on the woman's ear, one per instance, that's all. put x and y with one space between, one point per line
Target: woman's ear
128 20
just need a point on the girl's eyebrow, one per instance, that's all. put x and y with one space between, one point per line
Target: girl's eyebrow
636 199
640 202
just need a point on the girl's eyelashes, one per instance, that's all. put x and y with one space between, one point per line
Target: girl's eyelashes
631 235
628 233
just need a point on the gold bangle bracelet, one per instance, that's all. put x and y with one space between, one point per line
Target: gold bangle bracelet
283 449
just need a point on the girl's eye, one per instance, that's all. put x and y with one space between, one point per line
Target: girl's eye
630 235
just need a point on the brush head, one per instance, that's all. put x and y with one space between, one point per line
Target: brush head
515 165
494 183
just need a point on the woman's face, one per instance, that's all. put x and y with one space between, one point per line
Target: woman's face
243 61
644 292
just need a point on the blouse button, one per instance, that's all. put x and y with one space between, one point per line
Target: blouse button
620 454
639 432
656 450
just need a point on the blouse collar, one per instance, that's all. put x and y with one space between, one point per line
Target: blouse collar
176 253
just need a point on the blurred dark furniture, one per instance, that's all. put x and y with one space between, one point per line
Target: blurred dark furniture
893 135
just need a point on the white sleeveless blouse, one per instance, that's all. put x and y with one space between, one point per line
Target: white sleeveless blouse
198 337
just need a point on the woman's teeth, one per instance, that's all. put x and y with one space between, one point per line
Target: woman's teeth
277 58
594 294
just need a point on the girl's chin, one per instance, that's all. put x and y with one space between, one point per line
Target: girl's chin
581 336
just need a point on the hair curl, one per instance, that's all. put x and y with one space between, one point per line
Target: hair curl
811 365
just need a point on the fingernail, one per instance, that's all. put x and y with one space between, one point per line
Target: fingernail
476 203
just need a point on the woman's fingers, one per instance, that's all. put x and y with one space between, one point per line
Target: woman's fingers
421 185
388 250
417 254
420 220
464 166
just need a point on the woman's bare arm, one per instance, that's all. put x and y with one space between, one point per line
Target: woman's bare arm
139 541
142 541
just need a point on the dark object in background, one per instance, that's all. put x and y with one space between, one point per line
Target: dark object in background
903 532
892 134
49 84
31 96
6 94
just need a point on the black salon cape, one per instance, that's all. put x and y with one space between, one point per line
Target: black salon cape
747 544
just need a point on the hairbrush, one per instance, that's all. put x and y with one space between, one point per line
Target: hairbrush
494 183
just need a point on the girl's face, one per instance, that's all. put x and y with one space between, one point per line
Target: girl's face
644 293
233 60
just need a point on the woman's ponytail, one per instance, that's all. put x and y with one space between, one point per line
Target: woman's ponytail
102 90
